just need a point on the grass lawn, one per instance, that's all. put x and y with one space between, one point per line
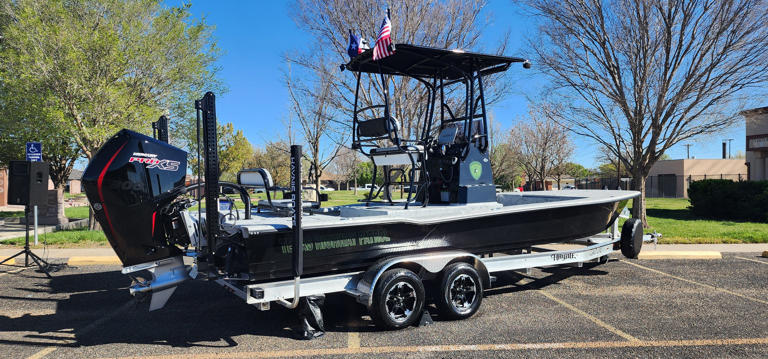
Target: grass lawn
76 212
64 239
671 218
12 214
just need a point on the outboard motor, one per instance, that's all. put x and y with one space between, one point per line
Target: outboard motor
128 183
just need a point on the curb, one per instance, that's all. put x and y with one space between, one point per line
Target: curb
93 260
680 255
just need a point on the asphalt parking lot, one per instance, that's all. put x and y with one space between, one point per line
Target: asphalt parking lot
625 308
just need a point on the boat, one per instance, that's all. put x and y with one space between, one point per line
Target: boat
136 186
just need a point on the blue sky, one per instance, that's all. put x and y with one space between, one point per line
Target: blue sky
255 34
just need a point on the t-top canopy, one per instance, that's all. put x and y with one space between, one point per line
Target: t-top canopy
419 61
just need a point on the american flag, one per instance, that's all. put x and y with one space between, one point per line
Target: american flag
384 46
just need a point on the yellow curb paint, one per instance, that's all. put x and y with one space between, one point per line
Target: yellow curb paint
464 348
696 283
679 255
92 260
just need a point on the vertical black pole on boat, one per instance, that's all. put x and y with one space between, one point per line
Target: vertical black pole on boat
298 234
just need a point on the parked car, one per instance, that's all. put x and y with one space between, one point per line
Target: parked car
568 187
326 189
367 187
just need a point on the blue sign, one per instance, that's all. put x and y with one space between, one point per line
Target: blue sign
34 151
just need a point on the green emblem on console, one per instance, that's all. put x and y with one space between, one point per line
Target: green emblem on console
475 169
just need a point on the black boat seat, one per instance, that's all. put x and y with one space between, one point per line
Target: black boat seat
377 127
396 155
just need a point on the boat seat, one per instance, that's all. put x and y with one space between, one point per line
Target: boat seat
396 155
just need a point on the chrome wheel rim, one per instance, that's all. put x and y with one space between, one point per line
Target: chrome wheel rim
401 302
462 293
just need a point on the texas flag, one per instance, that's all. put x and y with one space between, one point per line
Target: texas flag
356 45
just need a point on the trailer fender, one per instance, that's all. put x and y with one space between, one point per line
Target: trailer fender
431 262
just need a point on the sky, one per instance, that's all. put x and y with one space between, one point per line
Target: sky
254 36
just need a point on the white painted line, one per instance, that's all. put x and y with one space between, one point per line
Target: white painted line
93 325
353 340
13 271
753 260
679 255
696 283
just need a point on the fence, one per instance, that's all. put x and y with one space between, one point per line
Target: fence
664 186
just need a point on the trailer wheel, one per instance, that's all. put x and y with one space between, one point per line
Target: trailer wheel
398 299
631 238
461 291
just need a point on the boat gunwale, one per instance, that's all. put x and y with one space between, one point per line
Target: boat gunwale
265 228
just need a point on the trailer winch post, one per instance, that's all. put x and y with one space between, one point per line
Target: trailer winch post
297 250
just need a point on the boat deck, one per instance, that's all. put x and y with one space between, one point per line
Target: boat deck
381 213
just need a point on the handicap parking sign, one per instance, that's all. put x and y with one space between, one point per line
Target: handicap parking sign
34 151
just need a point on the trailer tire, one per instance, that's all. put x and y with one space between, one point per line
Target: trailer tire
461 291
398 299
631 238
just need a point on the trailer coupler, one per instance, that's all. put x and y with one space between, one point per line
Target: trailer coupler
166 275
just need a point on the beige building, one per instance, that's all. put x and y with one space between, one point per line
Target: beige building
670 178
757 143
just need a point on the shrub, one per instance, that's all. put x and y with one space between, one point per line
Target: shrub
725 199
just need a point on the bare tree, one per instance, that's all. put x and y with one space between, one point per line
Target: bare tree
441 24
311 105
503 155
345 165
640 76
543 146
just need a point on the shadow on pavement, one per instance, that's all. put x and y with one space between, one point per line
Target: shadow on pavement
199 314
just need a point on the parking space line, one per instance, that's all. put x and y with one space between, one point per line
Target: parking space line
595 320
42 353
752 260
353 340
696 283
93 325
464 347
13 271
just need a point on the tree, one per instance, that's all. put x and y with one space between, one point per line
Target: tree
504 157
574 170
543 146
312 107
106 64
276 158
641 76
441 24
234 152
26 117
345 165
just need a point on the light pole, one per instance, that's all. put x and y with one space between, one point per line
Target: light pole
688 150
729 147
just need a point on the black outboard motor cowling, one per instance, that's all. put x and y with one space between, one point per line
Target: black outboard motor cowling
127 182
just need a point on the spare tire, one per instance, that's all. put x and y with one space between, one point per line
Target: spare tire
631 237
